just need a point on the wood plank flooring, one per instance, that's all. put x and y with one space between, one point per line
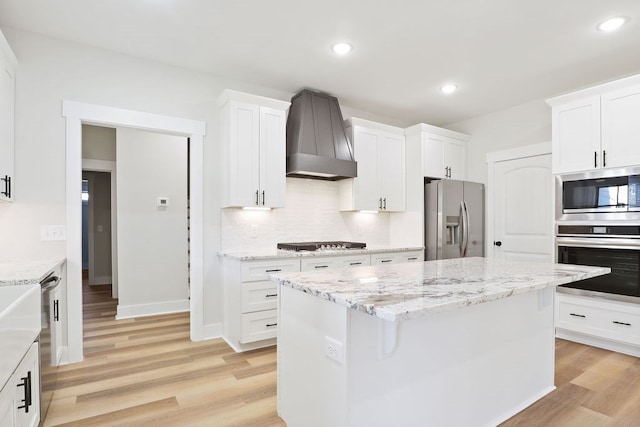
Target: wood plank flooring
146 371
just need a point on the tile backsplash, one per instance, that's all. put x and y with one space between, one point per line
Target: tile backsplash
311 214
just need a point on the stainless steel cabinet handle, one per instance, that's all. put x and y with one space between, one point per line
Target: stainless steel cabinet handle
380 203
385 203
321 266
604 158
270 325
355 263
413 258
386 260
274 270
595 159
257 198
262 197
577 315
56 310
270 295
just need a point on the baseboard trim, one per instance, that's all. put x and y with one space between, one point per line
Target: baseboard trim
513 411
593 341
152 309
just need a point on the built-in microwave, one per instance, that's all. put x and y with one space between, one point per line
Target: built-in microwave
612 194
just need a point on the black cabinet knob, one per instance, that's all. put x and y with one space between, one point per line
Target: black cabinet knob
498 243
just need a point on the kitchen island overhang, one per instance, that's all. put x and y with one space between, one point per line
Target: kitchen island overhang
454 342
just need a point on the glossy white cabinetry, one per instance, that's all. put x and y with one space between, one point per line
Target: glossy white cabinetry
613 325
444 152
380 152
597 128
253 136
20 397
8 65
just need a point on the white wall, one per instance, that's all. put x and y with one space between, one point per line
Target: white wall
152 240
311 215
525 124
52 70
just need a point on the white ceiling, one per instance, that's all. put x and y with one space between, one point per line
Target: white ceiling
501 52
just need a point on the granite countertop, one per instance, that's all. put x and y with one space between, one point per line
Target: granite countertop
22 272
278 254
398 292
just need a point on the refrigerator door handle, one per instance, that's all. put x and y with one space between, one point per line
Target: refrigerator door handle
461 229
465 228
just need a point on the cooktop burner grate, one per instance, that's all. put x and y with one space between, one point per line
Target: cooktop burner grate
319 246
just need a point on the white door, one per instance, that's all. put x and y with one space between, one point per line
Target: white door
621 127
366 186
433 156
523 209
273 155
392 172
455 158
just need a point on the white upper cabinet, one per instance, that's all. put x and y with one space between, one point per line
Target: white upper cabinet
8 65
444 152
597 128
254 150
380 152
621 127
576 136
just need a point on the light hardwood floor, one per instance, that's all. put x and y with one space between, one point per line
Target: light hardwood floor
146 372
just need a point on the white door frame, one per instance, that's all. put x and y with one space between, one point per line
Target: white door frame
77 113
92 165
494 157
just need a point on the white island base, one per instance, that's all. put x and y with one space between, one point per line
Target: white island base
474 366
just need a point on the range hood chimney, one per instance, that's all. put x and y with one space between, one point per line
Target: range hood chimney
317 143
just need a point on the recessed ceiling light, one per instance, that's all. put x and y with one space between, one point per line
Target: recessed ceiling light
611 24
341 48
448 88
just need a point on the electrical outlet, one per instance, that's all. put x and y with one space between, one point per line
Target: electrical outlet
333 349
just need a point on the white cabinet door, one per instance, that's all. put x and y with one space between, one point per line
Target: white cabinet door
366 191
392 169
272 157
7 405
27 395
455 158
7 99
56 326
576 136
621 127
244 154
433 156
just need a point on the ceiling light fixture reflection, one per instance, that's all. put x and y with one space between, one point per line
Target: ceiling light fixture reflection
449 88
611 24
341 48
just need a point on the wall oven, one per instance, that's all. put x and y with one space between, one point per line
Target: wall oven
598 223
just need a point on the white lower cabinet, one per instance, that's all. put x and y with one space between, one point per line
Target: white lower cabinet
251 298
20 397
613 325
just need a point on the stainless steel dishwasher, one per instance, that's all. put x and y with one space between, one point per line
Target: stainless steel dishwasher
50 316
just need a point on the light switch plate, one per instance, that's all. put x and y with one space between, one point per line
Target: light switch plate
52 233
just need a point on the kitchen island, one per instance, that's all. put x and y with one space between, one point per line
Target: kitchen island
463 342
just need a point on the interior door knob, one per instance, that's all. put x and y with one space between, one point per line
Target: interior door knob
498 243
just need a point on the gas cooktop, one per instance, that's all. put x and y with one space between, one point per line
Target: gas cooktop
321 246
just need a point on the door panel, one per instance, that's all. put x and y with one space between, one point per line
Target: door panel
451 195
474 200
523 206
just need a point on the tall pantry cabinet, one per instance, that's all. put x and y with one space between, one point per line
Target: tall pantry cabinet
8 65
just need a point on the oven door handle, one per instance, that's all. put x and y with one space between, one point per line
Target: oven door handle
601 243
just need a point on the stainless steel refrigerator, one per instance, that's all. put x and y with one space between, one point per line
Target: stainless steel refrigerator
454 219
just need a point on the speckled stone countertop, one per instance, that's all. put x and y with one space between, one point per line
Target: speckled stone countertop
407 291
21 272
277 254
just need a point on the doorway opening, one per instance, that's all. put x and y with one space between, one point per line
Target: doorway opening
77 114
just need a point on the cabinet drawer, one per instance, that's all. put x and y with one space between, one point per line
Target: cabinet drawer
354 261
315 263
258 326
606 322
416 256
257 296
384 258
260 270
